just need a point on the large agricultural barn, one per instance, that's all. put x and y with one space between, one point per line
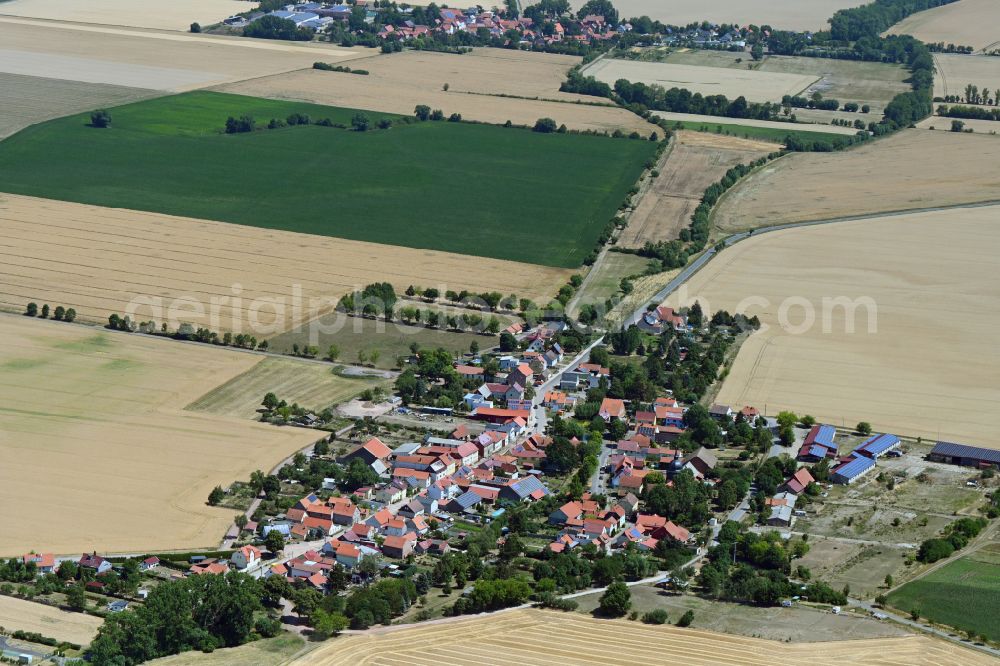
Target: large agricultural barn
962 454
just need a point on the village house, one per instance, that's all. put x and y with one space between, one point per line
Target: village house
612 408
399 547
94 562
246 557
45 563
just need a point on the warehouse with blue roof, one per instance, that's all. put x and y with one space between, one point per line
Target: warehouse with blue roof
878 445
850 471
962 454
819 444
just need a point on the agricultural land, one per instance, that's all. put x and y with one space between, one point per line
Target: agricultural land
968 23
964 593
789 14
749 128
824 186
883 377
314 386
540 637
754 85
97 417
955 72
198 174
488 85
184 262
173 15
695 161
19 614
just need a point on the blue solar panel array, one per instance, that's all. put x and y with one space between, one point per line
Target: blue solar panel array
965 451
825 434
855 467
876 445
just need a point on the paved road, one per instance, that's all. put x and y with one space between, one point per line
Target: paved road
706 256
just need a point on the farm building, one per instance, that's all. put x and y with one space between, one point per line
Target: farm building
819 444
878 445
962 454
850 471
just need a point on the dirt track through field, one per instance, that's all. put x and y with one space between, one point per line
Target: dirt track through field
96 419
99 260
912 169
476 82
696 161
535 637
955 72
924 281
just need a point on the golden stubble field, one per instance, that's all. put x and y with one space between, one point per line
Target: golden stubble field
223 276
97 451
927 281
535 637
968 23
164 14
695 161
755 85
955 72
783 14
154 59
912 169
62 625
398 82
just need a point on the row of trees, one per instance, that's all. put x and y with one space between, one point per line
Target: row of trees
59 314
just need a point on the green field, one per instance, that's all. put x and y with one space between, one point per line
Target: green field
776 134
473 189
964 594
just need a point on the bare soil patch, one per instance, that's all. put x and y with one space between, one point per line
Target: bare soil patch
912 169
29 99
99 260
929 278
969 23
485 85
754 85
695 161
97 419
544 637
61 625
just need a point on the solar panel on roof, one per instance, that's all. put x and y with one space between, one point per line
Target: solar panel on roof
965 451
853 468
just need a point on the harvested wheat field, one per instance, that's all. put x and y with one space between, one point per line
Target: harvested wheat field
398 82
955 72
968 23
223 276
939 123
20 614
756 86
783 14
912 169
924 281
96 418
145 58
695 161
315 386
29 99
163 14
545 637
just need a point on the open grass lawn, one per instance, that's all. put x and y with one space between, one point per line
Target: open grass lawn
776 134
472 189
964 594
